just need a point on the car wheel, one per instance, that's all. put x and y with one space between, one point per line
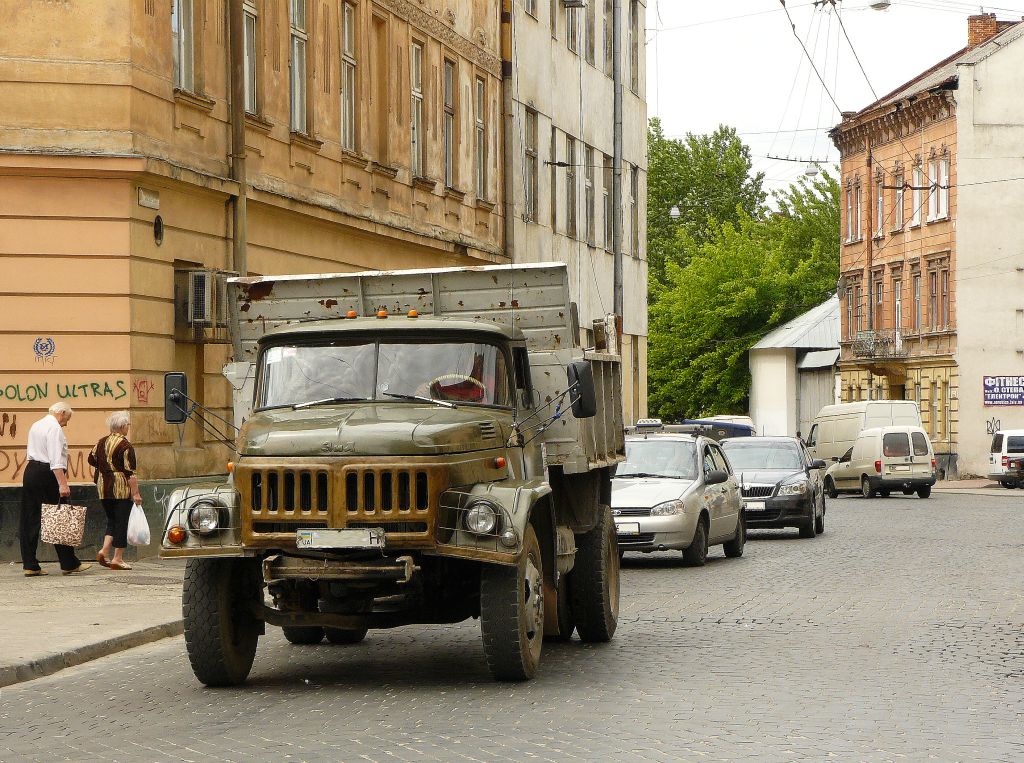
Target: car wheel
884 493
1007 484
819 523
696 554
830 488
807 529
924 492
908 491
734 547
865 488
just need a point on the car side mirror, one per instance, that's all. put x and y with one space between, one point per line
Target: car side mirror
175 398
582 394
716 477
817 464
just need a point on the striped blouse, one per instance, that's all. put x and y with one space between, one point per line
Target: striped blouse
113 462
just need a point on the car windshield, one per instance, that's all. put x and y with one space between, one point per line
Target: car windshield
675 459
748 455
345 370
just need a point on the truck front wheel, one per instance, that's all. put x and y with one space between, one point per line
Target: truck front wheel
595 581
512 613
220 631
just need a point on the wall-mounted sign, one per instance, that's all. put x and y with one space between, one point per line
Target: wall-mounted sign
1004 390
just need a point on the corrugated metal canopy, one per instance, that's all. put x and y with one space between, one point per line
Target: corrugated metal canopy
817 329
818 359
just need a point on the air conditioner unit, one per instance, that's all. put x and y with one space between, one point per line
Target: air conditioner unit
200 297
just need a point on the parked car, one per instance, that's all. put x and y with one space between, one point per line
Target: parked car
882 460
1006 461
836 427
780 482
676 491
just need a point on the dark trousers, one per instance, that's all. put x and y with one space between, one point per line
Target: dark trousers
39 486
118 510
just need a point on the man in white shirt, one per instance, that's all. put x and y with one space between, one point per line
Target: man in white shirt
46 481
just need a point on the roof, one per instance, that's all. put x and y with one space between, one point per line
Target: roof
395 323
678 436
819 359
817 329
945 71
741 442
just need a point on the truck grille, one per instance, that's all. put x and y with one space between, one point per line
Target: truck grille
758 491
286 490
373 491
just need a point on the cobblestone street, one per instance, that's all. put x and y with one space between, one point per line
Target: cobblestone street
897 635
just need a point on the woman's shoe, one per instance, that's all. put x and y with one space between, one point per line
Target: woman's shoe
119 566
35 573
102 559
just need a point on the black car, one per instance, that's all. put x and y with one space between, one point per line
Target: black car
780 483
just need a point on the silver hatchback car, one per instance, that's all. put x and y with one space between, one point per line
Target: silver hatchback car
677 491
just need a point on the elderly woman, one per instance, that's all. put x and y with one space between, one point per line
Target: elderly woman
113 459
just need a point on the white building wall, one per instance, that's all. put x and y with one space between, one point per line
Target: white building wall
773 391
575 98
990 245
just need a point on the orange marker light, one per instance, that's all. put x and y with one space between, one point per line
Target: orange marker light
176 534
499 462
351 314
413 314
231 466
382 313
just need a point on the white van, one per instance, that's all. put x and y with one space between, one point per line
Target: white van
884 459
836 426
1005 458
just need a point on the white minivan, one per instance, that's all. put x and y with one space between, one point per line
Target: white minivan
884 459
836 427
1006 461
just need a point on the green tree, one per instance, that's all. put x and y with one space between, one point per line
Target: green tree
746 279
708 179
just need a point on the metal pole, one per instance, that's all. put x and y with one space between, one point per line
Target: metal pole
617 158
236 34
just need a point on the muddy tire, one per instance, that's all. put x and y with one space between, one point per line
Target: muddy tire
220 632
566 624
512 613
595 581
344 635
696 554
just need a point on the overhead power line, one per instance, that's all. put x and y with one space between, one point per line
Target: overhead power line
809 58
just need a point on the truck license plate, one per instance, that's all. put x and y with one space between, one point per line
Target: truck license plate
754 506
628 528
363 537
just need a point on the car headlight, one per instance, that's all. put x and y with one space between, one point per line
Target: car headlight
794 488
668 509
204 517
481 518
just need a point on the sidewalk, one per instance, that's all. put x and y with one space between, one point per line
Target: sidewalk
977 487
53 622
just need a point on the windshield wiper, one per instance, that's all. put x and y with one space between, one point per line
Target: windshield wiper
327 401
648 474
420 398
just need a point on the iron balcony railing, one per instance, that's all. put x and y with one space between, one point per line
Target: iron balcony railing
883 343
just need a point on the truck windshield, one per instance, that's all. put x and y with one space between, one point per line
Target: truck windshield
340 371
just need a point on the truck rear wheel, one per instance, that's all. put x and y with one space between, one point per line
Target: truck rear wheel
512 613
595 581
220 632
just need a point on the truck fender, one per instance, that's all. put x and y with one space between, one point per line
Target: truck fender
517 498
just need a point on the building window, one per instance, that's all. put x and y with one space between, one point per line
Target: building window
934 418
897 304
609 47
553 17
349 98
933 300
879 208
943 188
183 38
416 110
917 303
917 394
531 7
480 135
634 46
572 29
589 196
858 318
858 211
570 187
449 123
590 33
249 52
944 409
299 44
849 213
916 199
553 184
849 313
944 299
531 165
933 190
606 189
634 209
898 203
879 291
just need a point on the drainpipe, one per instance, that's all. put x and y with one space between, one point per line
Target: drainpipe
617 161
236 118
508 132
869 251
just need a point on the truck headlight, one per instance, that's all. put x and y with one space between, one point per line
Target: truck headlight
793 488
481 518
204 517
668 509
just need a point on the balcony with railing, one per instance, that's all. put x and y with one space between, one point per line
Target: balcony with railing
879 344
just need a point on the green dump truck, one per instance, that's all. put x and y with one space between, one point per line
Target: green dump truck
418 446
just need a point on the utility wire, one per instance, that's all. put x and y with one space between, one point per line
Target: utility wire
806 53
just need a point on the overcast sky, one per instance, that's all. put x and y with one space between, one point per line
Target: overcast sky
736 62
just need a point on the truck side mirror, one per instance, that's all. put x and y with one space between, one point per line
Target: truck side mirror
583 395
175 398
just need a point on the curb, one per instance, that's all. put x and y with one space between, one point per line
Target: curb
53 663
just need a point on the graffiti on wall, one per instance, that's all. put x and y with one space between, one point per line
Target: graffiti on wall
10 419
12 465
143 388
45 350
38 391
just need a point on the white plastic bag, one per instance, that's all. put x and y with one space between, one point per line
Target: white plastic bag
138 527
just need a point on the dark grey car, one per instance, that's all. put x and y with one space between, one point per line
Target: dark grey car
780 483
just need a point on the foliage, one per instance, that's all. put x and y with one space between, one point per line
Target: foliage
708 179
748 277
